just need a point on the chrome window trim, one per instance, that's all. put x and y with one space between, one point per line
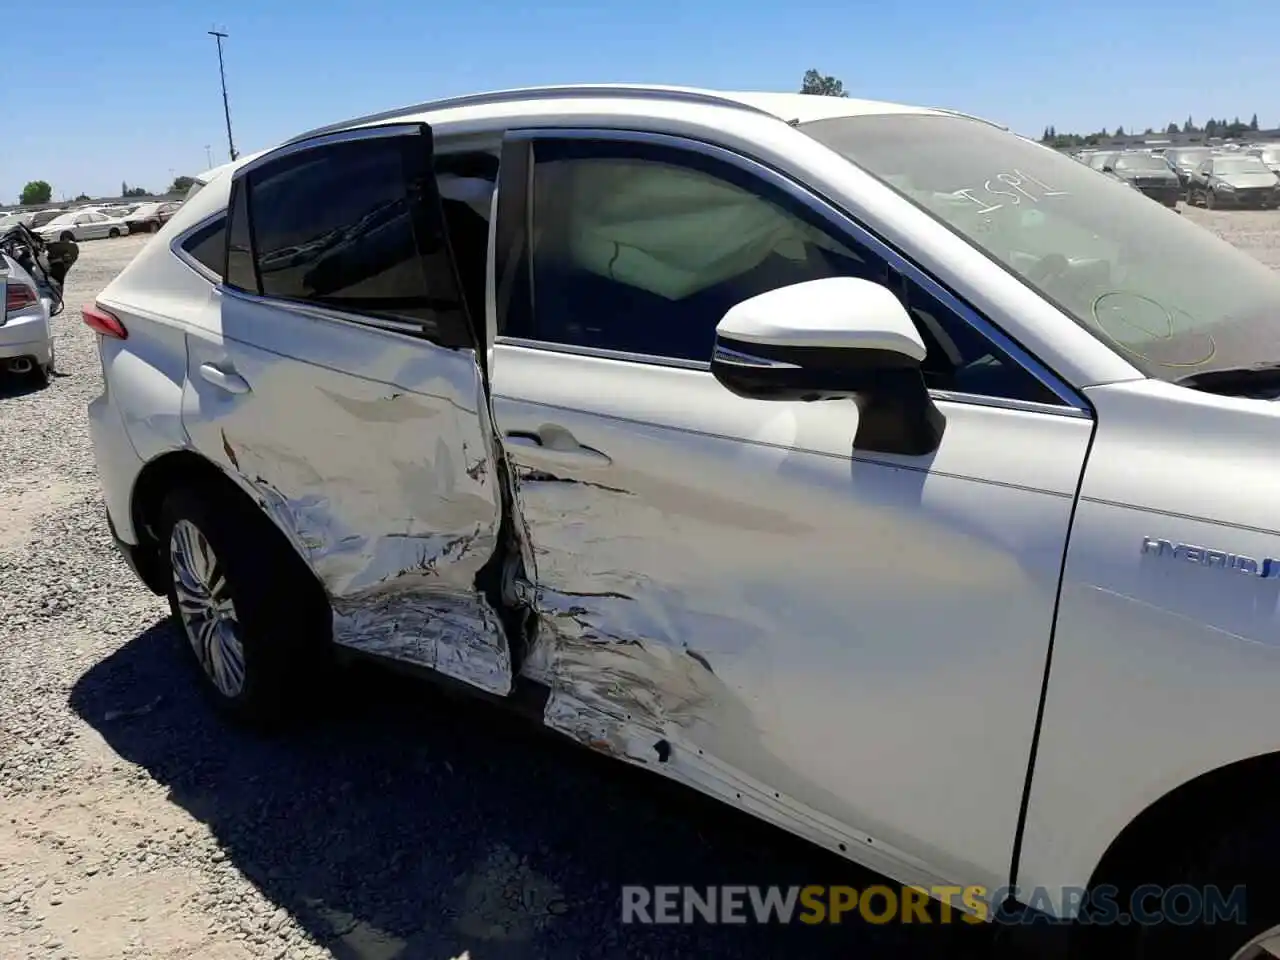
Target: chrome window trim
314 143
601 354
702 366
177 249
840 221
407 328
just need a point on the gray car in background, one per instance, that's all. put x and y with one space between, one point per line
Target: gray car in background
1149 174
1238 180
1184 160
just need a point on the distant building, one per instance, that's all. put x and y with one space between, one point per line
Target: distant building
1179 139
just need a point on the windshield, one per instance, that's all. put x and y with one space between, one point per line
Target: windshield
1167 294
1239 165
1191 158
1141 161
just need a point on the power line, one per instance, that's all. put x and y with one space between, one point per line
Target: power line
219 36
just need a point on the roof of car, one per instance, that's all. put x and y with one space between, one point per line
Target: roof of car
790 107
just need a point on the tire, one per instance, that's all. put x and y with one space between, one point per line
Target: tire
113 233
67 235
266 646
1210 201
1242 855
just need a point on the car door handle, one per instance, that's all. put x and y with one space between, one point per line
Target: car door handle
224 379
556 444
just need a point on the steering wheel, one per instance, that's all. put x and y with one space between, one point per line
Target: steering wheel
1049 267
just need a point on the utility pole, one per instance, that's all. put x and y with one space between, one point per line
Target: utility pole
219 36
208 156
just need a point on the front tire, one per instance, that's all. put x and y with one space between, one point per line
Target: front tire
113 233
1239 857
67 236
252 615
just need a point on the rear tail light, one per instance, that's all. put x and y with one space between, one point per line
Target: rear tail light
103 321
18 296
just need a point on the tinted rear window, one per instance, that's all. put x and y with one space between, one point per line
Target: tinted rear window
335 226
208 245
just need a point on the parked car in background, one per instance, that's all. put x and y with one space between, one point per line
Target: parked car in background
1101 159
150 217
1149 174
1270 155
42 217
79 225
11 219
868 467
31 277
1236 180
1184 161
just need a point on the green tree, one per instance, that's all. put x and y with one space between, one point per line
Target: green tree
181 184
1189 126
83 196
1171 129
37 191
1211 127
1119 131
136 192
821 85
1253 122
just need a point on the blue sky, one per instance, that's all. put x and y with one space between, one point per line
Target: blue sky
137 95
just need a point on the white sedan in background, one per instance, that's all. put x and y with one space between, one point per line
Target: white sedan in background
83 225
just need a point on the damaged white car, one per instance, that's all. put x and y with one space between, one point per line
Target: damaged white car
871 468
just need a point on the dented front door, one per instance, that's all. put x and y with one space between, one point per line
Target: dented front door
340 383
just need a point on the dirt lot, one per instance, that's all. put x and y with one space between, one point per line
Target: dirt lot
134 824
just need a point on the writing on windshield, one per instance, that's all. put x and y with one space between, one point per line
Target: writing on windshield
1018 187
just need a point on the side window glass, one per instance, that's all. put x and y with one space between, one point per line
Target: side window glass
645 255
466 183
960 359
241 272
208 246
339 226
643 249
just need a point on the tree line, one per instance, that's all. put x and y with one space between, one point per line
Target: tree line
1211 128
41 191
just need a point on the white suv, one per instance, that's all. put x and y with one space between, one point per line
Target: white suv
517 388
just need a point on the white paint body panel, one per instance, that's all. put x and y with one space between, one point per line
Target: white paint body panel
736 579
370 450
760 577
1162 669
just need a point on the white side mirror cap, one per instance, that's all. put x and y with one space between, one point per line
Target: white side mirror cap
836 313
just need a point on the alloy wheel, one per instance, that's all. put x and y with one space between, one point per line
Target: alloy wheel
206 608
1262 947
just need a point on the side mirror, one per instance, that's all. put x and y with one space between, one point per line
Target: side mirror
837 338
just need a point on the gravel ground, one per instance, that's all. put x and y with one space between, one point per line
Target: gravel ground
403 824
